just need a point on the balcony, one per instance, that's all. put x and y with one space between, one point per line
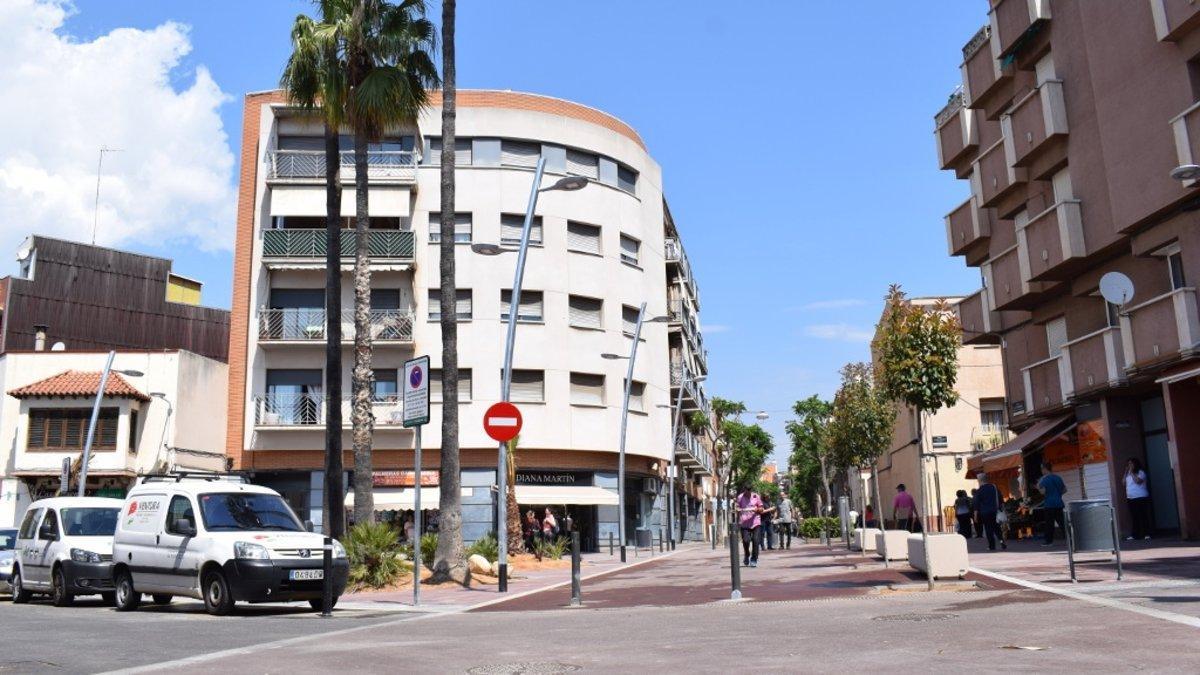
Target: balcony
1186 127
693 395
1044 384
1011 19
308 246
1174 19
993 177
1034 120
966 226
1051 239
293 411
979 324
300 325
1005 276
956 131
1095 361
1160 329
691 453
308 166
981 72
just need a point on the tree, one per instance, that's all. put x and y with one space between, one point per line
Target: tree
386 49
516 538
314 79
862 422
449 562
810 442
749 446
725 410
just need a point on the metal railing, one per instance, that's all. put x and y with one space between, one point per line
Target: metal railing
682 376
690 447
291 410
978 40
302 324
957 102
310 243
396 166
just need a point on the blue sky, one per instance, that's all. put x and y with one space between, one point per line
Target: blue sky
795 140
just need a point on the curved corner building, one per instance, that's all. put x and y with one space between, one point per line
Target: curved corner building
596 254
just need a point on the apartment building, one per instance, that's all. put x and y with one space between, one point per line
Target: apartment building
1070 124
952 438
596 254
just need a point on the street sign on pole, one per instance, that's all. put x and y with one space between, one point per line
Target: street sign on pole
416 391
502 421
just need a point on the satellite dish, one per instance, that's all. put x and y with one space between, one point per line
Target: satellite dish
59 347
1116 288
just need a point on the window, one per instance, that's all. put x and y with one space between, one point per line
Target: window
637 396
462 227
462 304
585 312
626 179
1061 182
49 527
248 512
1056 335
133 430
180 509
583 238
583 164
29 524
1112 314
587 389
1175 267
528 386
630 248
991 416
629 317
66 428
530 308
433 152
511 225
435 385
519 153
384 385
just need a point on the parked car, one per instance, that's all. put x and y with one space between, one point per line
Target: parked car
8 545
64 549
219 540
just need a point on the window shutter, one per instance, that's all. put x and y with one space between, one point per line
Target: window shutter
462 304
462 227
435 384
511 225
527 386
1056 335
74 428
530 308
433 151
435 226
37 429
629 317
637 396
464 384
583 164
462 152
583 237
587 389
435 304
585 312
106 431
519 153
629 249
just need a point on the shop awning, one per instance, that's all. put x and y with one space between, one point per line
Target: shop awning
555 495
1008 456
399 499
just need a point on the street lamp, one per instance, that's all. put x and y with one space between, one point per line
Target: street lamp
1186 172
166 423
567 184
676 420
637 337
91 434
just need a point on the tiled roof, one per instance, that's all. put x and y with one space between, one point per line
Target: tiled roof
79 383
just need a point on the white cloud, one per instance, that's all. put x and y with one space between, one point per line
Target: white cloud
172 180
715 328
842 303
839 331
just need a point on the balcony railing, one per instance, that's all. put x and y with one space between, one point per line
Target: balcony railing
308 166
1095 360
966 226
1160 329
1011 19
299 411
989 438
310 243
692 452
308 325
681 375
1038 117
1045 236
1047 384
956 130
1186 127
992 177
1174 19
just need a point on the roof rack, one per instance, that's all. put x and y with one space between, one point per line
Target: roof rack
179 476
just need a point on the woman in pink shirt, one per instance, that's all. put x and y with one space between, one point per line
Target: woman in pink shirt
904 509
749 509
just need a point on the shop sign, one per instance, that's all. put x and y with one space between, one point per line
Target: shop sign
572 478
403 478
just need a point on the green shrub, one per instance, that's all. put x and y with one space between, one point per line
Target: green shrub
428 549
487 546
554 549
811 528
372 549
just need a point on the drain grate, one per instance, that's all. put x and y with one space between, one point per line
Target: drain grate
524 668
916 616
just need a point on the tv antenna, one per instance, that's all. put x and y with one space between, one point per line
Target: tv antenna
96 207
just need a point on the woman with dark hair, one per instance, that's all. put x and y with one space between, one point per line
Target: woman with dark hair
962 512
1137 495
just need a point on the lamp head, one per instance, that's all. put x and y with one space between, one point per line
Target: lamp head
612 357
1186 172
488 249
129 373
569 184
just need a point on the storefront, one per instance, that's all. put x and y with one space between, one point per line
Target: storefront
572 496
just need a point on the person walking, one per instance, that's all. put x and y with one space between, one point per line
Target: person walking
963 508
1137 496
532 529
1052 485
768 523
988 503
785 522
549 526
749 509
904 509
975 522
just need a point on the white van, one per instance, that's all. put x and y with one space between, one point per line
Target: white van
64 548
220 540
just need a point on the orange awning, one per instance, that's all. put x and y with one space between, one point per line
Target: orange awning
1008 456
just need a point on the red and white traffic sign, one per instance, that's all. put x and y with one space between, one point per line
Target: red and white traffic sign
502 421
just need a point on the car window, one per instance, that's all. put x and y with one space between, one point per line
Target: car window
181 508
49 527
90 521
8 540
247 511
29 525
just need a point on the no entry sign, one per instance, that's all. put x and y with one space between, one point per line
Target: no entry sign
502 422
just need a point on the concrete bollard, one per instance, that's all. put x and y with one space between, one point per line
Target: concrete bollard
576 593
610 543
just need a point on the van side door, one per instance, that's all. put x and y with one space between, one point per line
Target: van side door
48 533
141 529
27 543
178 566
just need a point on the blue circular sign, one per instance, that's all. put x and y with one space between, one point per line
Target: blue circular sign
415 377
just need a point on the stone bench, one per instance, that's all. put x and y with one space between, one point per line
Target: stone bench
897 544
863 539
947 555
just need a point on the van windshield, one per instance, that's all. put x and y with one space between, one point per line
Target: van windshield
247 511
89 522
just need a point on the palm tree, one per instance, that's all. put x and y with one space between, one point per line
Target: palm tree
388 68
313 79
448 562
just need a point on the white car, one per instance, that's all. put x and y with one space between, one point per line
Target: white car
217 539
64 548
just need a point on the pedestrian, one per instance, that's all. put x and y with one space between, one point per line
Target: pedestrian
1137 496
904 509
963 508
1052 485
988 503
869 517
749 509
549 526
532 529
768 523
786 522
975 522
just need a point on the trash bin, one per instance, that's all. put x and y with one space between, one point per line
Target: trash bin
642 538
1091 525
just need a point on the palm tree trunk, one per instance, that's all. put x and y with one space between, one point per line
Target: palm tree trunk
448 561
335 513
361 419
516 538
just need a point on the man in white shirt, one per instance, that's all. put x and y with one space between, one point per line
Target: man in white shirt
1137 495
785 520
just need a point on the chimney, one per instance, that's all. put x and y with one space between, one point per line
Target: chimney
39 338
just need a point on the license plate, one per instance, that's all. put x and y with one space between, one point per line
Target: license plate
306 575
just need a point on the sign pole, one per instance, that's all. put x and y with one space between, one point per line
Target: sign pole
416 414
417 557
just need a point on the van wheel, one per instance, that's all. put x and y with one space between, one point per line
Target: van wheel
20 594
59 594
217 599
319 604
127 599
161 598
